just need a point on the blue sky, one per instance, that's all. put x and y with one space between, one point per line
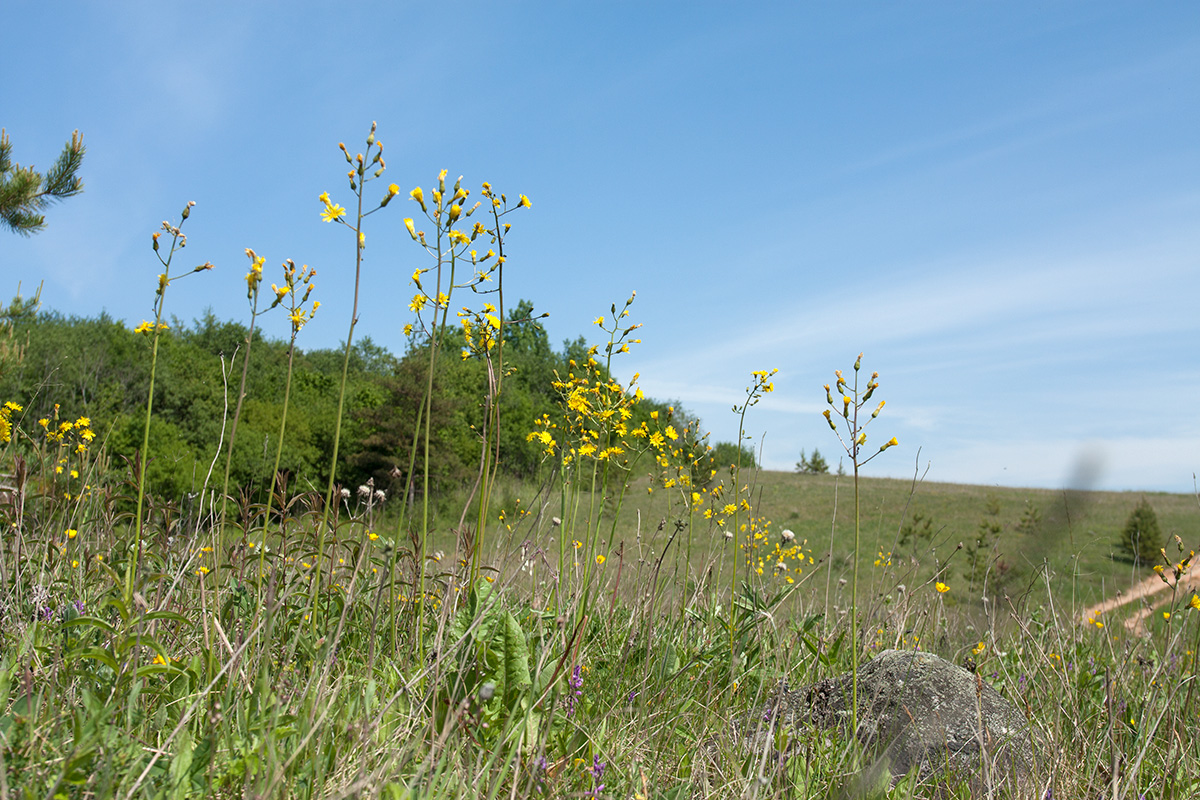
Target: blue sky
997 202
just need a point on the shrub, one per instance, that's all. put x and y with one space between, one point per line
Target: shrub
1142 538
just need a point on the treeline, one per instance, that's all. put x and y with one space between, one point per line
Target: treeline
58 366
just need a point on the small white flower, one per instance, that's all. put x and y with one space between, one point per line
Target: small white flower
380 495
728 534
364 491
555 521
788 536
345 493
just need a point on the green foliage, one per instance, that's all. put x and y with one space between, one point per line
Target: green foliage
25 192
812 465
1142 538
917 531
725 455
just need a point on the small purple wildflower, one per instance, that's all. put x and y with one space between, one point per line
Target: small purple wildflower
575 682
597 770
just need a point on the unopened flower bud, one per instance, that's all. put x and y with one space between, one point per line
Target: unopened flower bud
878 408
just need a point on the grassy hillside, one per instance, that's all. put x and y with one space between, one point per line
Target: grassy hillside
1070 539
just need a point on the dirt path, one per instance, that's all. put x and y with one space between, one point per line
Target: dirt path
1153 591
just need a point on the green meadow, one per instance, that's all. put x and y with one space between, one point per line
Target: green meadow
487 567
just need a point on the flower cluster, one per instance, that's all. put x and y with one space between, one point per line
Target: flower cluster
6 412
764 552
297 287
457 240
852 401
481 330
255 275
597 411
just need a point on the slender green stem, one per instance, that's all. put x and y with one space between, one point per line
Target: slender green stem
337 429
142 461
287 394
164 280
237 413
854 592
434 336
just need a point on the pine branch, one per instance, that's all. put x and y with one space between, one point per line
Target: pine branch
5 153
24 192
61 181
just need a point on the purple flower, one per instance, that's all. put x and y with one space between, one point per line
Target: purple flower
597 770
575 682
540 766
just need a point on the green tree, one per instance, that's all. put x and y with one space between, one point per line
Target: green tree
812 465
1142 538
25 192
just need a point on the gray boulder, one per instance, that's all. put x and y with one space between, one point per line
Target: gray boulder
916 712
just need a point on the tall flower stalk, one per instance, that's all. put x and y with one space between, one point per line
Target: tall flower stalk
853 401
453 250
363 169
154 330
298 315
253 281
762 385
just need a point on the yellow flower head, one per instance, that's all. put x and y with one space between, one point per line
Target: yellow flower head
419 196
941 587
333 212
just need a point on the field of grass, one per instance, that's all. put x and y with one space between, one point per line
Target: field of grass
583 637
